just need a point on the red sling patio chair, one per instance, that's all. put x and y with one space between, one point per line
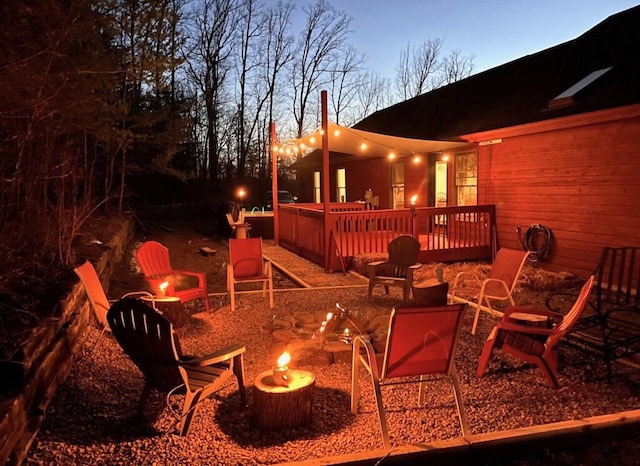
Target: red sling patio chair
153 259
422 341
531 343
247 265
497 286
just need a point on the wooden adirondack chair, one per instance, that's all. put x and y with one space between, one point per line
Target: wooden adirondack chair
97 296
422 341
532 343
497 286
153 259
399 268
147 337
247 265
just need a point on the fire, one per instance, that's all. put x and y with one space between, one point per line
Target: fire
284 359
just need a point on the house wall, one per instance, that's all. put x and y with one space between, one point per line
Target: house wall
577 177
367 174
415 181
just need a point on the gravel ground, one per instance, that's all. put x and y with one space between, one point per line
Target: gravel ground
91 420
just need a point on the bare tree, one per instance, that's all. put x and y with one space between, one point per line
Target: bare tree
324 34
456 66
278 53
374 94
209 63
345 82
417 67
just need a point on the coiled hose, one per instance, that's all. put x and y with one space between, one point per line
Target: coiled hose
537 248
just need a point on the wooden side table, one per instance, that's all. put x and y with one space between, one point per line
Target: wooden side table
280 407
430 292
170 307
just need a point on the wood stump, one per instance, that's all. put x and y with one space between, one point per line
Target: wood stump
430 292
281 407
170 307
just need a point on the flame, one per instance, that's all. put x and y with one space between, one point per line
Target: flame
284 359
414 198
163 286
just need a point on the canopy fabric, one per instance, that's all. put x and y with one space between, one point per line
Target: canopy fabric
358 142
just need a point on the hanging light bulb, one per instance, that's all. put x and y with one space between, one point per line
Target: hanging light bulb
391 156
363 146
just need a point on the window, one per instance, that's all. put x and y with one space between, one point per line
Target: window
316 187
466 168
341 185
397 185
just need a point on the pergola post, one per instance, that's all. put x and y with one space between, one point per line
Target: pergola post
274 184
325 182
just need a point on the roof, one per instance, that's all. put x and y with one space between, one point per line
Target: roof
520 91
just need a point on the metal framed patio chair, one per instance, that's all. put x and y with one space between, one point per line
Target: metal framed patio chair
147 337
479 292
421 342
247 265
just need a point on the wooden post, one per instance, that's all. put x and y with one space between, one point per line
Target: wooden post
274 184
325 183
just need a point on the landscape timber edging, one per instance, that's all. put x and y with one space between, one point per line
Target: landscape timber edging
50 355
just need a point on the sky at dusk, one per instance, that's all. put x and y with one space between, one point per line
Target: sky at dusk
494 31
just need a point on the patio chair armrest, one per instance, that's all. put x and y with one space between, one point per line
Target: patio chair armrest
532 311
523 328
460 275
415 266
221 355
375 264
362 341
201 276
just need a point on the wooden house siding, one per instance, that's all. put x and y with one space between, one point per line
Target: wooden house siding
367 174
580 181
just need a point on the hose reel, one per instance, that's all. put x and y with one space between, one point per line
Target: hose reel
536 240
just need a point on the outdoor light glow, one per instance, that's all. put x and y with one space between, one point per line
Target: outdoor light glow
336 133
445 158
416 159
391 156
363 146
241 193
312 139
414 198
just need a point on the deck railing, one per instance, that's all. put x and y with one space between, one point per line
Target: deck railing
445 233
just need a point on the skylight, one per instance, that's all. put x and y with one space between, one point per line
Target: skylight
566 97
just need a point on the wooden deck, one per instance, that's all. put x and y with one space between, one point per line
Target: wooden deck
445 233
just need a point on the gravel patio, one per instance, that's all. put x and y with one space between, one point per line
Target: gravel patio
91 420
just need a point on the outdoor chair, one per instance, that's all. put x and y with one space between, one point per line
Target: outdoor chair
610 328
478 292
239 228
153 259
398 269
247 265
421 346
97 296
520 334
147 337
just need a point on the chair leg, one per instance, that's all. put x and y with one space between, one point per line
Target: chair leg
475 320
381 417
464 426
238 371
270 275
189 410
142 402
549 373
230 288
487 349
355 386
